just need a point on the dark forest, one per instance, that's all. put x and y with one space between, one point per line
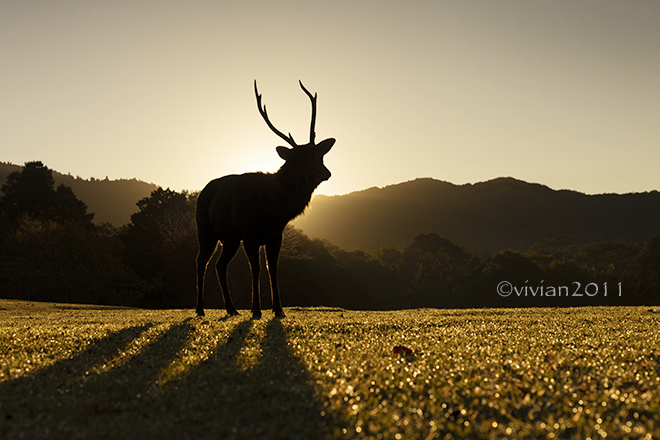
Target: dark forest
52 250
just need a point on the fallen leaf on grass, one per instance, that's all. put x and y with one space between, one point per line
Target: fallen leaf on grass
402 349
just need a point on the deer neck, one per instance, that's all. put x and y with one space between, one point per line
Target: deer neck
295 190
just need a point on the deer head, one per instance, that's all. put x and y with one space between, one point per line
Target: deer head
306 159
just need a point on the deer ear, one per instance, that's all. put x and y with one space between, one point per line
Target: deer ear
284 152
324 146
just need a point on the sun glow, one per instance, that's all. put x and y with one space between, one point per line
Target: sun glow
537 91
258 159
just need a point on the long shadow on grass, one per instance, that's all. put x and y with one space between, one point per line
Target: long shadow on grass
71 400
291 407
269 396
28 403
245 389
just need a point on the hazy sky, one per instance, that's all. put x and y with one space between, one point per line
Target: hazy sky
564 93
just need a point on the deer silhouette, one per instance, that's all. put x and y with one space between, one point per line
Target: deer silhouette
254 208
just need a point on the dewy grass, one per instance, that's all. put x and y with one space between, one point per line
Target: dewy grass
96 372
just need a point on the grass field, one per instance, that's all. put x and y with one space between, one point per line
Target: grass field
70 371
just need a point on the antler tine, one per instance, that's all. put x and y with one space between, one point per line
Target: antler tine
312 133
264 114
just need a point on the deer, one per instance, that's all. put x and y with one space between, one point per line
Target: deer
254 208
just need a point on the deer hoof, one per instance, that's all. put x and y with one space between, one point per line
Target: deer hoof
232 312
200 312
256 314
279 313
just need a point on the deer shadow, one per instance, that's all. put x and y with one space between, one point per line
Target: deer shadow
39 405
272 398
218 397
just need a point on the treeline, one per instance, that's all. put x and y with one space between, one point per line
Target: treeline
111 201
51 251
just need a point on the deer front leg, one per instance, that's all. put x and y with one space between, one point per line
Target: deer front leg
272 255
252 251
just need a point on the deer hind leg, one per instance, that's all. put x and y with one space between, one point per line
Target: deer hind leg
229 248
252 251
272 255
206 248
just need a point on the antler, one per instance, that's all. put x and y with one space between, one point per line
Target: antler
264 114
312 134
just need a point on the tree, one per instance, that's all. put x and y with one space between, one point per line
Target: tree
47 261
31 194
160 245
511 266
433 267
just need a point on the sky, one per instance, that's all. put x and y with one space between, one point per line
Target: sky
562 93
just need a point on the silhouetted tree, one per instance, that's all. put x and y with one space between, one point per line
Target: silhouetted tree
31 194
432 242
160 245
311 274
49 261
432 268
389 256
558 247
512 267
160 216
375 285
564 263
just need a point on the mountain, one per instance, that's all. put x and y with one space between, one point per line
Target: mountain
487 217
111 201
503 213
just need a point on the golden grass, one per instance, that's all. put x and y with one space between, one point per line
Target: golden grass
69 371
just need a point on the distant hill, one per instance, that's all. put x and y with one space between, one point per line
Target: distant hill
503 213
487 217
110 200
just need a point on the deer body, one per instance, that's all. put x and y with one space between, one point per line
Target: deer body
254 208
